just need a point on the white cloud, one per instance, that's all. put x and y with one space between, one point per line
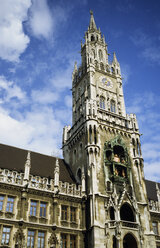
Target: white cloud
152 171
41 21
68 101
44 96
126 72
13 41
10 90
38 130
37 127
44 20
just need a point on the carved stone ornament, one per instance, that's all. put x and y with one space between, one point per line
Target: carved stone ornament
19 238
53 240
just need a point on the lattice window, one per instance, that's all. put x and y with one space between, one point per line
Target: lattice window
63 241
73 214
41 239
1 201
33 208
6 235
64 212
30 239
43 207
10 204
73 241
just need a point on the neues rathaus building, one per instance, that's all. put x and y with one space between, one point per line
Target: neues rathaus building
97 196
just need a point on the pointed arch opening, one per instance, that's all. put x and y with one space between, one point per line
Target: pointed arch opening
112 213
129 241
126 213
92 38
102 102
100 54
79 175
113 106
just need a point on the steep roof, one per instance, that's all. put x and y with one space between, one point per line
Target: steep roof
151 190
13 158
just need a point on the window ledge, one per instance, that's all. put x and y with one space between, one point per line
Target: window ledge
9 214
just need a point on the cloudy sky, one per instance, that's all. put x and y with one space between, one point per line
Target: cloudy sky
39 42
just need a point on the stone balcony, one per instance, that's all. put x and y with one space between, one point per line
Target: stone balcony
122 224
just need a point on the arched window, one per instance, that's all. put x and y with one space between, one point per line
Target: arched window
126 213
92 38
129 241
96 64
95 135
102 66
113 106
102 102
138 148
114 242
93 53
74 156
100 54
79 175
111 213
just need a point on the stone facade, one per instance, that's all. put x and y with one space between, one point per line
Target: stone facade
97 196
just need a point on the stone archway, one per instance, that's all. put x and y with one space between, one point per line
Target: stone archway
126 213
129 241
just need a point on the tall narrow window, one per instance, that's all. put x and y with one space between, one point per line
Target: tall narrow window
64 214
41 239
102 102
33 208
6 235
63 241
73 241
95 135
100 54
73 214
113 106
10 204
90 134
30 239
155 227
43 207
1 202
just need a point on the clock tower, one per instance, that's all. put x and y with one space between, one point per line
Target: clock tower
103 151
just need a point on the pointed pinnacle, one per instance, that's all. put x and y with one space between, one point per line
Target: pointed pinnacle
115 58
92 24
28 161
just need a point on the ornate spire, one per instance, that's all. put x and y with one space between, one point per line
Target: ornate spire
56 174
92 24
27 166
115 61
28 160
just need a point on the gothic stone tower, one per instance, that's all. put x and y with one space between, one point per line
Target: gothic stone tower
103 150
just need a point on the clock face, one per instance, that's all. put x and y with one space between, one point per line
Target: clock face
107 82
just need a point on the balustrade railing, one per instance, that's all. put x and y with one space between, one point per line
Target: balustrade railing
122 223
36 182
154 206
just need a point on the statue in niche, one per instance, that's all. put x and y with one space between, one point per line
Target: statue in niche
19 239
116 158
52 240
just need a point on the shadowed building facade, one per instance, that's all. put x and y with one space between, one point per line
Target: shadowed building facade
97 195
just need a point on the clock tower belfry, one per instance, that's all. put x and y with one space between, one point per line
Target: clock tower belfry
103 150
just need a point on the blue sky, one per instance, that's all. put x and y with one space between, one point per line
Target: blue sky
40 41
